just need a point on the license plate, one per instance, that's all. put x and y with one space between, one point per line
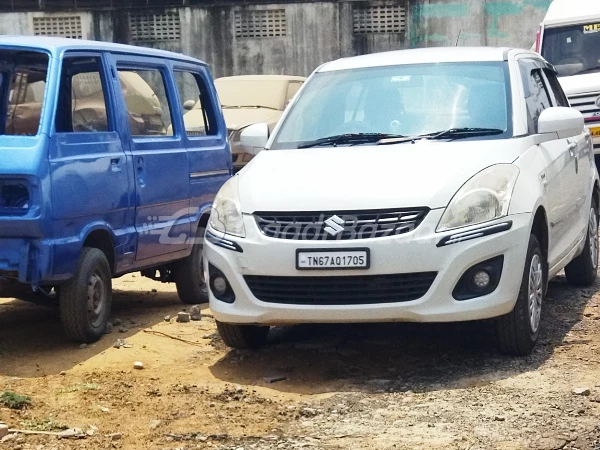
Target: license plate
332 259
595 131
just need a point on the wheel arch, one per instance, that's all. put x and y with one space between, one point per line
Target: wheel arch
202 219
103 240
539 229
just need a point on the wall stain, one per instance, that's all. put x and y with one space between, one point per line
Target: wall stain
435 16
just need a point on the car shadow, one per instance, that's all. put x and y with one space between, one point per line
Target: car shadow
310 359
32 342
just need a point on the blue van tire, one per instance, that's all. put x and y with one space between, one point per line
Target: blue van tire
86 299
189 274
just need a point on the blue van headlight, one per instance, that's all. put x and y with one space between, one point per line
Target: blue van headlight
15 197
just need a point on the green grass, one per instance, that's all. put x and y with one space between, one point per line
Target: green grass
14 401
43 425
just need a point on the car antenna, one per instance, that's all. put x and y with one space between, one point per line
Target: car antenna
458 38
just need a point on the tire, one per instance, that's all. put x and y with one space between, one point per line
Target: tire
517 332
189 274
85 301
582 271
243 336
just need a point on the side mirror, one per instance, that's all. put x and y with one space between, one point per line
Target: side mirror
566 122
255 136
189 105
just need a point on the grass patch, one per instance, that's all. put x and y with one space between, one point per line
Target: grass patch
14 401
79 387
43 425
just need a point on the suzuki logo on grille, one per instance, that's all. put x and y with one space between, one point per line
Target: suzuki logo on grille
335 225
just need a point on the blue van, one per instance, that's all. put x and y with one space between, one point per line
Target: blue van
98 174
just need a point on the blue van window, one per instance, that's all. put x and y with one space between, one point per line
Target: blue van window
82 101
193 95
23 97
147 103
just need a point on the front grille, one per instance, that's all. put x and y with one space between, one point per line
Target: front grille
346 290
586 104
345 225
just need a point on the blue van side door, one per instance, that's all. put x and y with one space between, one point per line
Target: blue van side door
88 166
160 163
205 134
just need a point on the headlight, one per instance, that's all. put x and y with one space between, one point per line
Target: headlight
226 215
484 197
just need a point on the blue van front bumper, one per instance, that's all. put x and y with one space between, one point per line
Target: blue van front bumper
28 261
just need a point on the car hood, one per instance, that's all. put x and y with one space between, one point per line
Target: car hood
581 84
424 174
240 118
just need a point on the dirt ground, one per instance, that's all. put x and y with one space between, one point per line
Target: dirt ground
392 386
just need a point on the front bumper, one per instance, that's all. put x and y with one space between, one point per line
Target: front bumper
416 251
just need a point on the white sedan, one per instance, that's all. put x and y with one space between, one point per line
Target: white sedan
430 185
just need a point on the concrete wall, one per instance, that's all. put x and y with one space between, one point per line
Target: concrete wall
318 32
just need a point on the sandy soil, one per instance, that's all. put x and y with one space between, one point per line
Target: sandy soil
393 386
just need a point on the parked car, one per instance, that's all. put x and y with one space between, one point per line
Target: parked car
246 100
92 183
569 38
430 185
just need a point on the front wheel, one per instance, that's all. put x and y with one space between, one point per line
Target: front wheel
189 274
85 300
582 270
242 336
517 332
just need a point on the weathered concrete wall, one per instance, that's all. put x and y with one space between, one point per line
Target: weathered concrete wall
476 22
319 32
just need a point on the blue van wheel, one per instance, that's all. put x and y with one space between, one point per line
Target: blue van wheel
85 301
189 274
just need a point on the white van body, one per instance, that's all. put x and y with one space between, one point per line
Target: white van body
569 38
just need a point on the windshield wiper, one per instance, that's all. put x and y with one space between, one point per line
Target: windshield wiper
351 138
248 107
452 133
590 70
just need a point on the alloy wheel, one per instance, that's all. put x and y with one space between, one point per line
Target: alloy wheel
535 292
593 237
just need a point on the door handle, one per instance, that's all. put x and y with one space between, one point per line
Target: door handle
572 146
140 171
115 164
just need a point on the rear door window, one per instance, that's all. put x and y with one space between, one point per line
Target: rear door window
200 121
147 102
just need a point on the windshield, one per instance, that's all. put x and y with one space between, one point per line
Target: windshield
240 93
22 89
406 100
574 49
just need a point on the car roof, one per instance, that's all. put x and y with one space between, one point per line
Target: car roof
419 56
562 12
262 78
57 45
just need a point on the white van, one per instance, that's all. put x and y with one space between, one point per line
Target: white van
569 38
